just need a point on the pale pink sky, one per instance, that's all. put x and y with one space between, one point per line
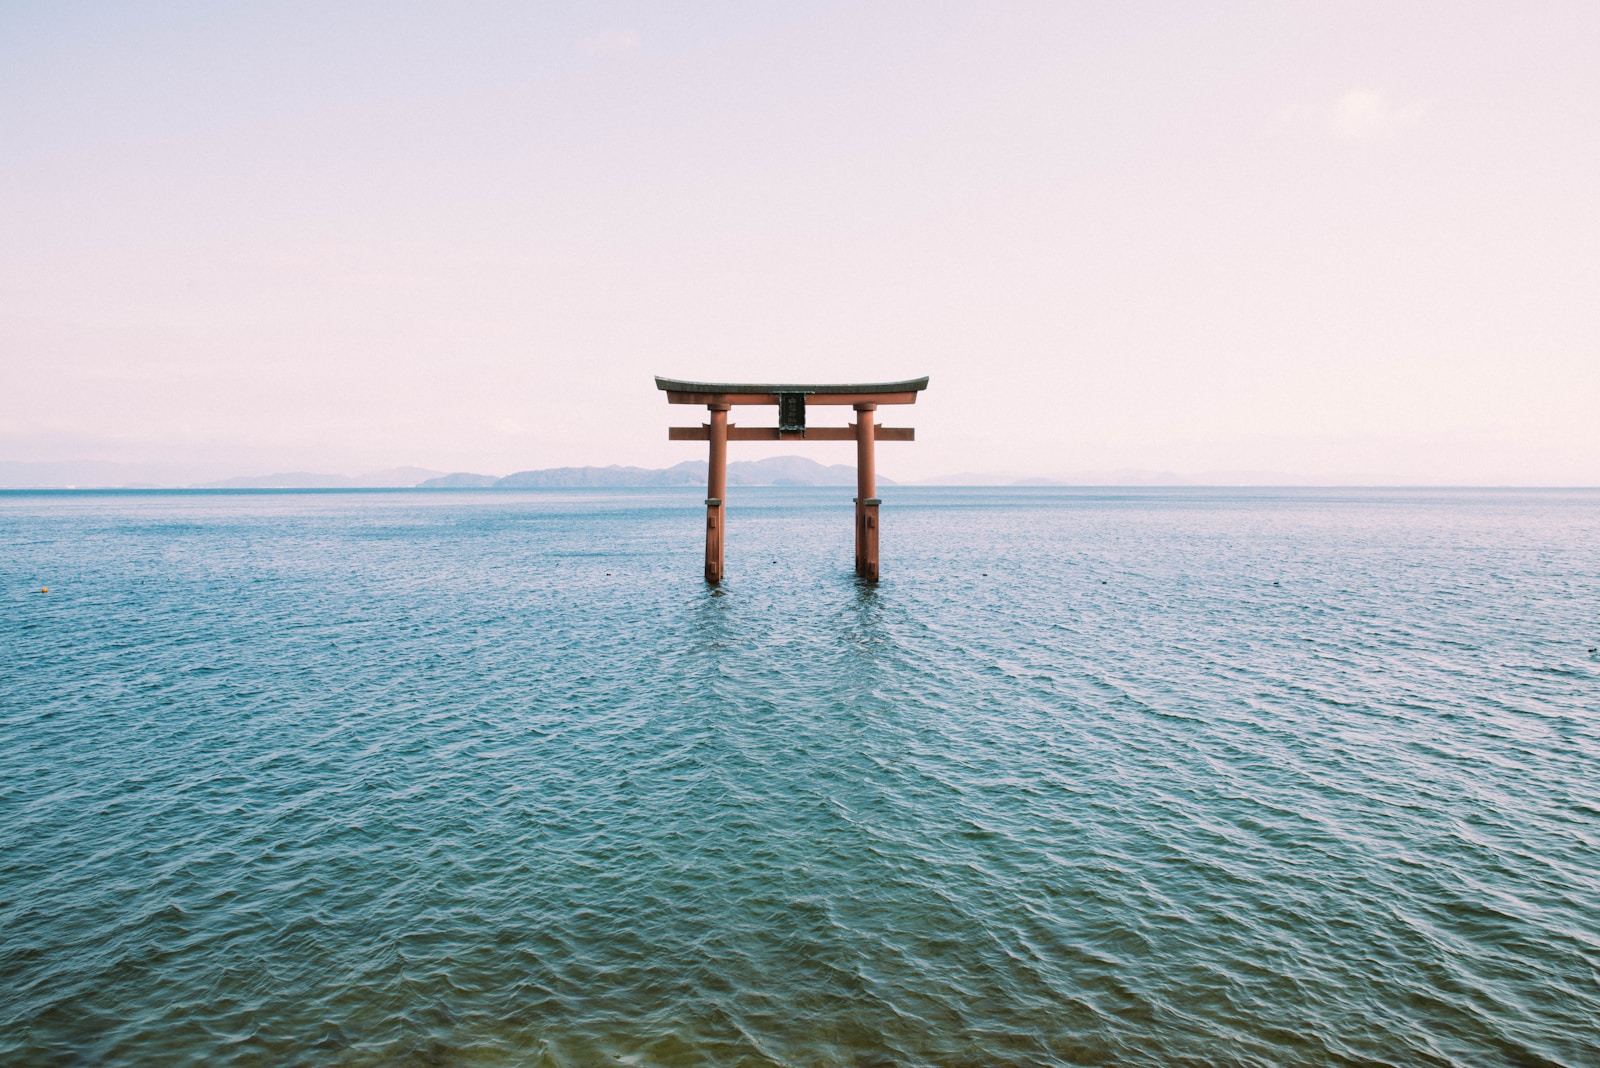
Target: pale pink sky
1341 241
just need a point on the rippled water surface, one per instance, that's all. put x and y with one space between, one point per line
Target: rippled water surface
1142 778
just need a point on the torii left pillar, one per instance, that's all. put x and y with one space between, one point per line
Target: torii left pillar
716 490
866 494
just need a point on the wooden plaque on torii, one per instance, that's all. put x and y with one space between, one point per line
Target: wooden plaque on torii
792 402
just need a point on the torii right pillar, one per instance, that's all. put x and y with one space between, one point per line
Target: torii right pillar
866 494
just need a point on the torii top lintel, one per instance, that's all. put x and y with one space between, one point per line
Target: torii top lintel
681 392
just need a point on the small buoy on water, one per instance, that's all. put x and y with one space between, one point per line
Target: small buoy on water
44 589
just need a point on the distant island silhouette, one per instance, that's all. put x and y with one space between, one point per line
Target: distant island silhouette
773 471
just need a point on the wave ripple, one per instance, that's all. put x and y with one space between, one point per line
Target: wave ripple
1157 777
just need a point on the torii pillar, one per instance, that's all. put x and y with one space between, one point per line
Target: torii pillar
792 401
866 493
716 489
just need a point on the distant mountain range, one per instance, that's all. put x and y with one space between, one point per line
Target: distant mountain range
775 471
393 478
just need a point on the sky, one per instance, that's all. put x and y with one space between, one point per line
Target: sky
1339 242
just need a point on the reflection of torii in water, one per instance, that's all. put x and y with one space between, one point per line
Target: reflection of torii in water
792 400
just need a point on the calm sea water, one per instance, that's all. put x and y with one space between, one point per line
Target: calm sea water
1135 778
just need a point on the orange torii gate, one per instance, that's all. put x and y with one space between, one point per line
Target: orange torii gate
792 401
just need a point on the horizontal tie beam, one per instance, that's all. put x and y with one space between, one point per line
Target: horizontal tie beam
772 433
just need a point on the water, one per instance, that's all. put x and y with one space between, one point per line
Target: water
1140 778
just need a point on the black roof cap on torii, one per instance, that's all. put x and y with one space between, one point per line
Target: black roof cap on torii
677 385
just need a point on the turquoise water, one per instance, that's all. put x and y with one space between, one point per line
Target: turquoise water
1137 778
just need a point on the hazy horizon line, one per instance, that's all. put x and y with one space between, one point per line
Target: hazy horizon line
97 476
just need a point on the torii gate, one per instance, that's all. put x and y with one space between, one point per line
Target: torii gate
792 401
